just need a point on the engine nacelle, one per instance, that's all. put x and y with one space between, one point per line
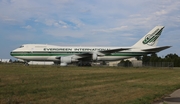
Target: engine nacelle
94 57
63 64
67 60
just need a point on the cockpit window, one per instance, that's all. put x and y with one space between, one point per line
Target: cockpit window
21 46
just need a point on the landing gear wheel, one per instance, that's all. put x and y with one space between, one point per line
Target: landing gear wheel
86 63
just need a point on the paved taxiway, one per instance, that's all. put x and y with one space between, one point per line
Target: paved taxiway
173 98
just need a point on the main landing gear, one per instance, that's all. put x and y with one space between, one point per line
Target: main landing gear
84 63
26 63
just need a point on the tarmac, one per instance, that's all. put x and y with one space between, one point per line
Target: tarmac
173 98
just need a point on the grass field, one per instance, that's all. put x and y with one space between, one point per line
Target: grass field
85 85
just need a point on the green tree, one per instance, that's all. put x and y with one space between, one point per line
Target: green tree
173 58
146 58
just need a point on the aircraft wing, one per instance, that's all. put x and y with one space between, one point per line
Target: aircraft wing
113 50
156 49
88 55
105 51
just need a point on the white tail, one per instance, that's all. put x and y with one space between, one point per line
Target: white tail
151 38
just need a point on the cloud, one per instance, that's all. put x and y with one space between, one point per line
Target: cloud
60 32
77 22
64 26
50 22
122 28
27 27
19 37
162 12
62 22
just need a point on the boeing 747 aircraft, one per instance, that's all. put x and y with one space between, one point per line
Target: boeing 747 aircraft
83 56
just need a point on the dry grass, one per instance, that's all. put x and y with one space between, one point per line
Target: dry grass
67 85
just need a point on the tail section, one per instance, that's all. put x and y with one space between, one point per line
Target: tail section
151 38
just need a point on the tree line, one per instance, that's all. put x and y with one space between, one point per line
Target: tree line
155 58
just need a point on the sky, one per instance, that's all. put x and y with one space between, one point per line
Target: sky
87 23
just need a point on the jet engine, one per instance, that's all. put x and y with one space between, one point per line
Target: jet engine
66 60
94 57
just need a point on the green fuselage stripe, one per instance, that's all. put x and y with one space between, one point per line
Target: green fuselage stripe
71 53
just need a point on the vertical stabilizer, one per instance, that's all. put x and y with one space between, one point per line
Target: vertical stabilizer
151 38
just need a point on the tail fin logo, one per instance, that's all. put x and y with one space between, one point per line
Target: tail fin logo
150 39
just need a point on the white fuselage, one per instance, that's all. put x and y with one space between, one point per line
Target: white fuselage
41 52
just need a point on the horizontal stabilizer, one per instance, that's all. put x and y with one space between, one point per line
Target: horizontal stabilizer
156 49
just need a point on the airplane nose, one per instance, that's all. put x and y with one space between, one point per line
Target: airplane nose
11 53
